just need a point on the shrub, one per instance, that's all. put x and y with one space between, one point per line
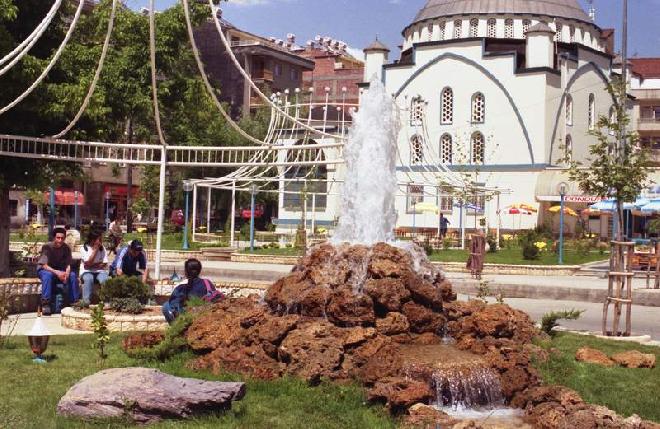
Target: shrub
528 241
549 320
174 342
101 332
127 305
492 242
428 248
125 287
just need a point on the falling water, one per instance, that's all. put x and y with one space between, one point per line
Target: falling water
367 203
468 388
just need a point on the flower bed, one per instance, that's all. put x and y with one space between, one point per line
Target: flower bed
81 320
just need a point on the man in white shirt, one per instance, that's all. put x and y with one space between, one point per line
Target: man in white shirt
94 264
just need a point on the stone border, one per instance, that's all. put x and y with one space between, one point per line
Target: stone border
81 321
530 270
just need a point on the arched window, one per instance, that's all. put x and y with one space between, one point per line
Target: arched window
474 27
558 36
491 30
305 179
441 34
526 24
416 150
568 149
478 148
429 32
572 34
508 28
416 111
447 103
569 110
478 108
446 149
458 29
592 112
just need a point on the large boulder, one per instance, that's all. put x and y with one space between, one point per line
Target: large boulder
595 356
634 359
146 395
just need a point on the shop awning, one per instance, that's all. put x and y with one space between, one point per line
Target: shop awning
67 198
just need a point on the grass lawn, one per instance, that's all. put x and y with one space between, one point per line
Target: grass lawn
513 255
626 391
29 393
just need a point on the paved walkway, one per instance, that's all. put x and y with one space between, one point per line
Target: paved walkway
26 320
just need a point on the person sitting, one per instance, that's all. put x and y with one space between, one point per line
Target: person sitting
195 286
53 268
130 260
115 234
94 264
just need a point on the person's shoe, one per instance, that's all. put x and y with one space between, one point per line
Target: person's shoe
45 309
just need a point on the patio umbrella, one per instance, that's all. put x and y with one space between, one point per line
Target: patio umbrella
512 210
524 206
427 208
567 210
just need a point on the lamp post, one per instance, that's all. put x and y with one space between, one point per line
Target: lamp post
253 192
108 195
51 212
562 196
187 187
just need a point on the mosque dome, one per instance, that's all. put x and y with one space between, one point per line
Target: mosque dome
567 9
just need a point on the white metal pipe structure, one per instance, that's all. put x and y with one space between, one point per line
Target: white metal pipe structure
194 213
161 212
232 215
208 210
499 221
313 213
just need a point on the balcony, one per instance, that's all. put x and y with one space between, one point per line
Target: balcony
646 94
648 124
262 76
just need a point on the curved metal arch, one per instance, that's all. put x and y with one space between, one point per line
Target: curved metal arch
578 73
489 75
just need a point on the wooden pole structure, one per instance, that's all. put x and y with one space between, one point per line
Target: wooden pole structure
619 289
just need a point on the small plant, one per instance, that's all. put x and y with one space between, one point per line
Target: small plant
174 341
127 305
125 287
101 332
446 243
549 320
492 243
428 248
483 290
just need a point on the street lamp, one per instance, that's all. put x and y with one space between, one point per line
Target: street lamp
51 214
187 187
108 195
253 191
562 196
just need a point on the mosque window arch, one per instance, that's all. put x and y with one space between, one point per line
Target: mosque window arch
447 106
491 30
474 27
569 110
429 32
441 32
296 184
477 148
478 108
446 149
417 111
568 148
416 150
592 112
508 28
526 24
458 29
558 37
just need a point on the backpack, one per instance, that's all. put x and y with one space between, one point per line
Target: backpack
212 294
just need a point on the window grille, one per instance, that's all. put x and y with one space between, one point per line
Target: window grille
558 36
416 111
508 28
415 195
569 110
478 108
447 101
429 32
592 112
416 150
492 28
474 27
572 34
458 29
446 149
526 24
478 148
445 200
441 34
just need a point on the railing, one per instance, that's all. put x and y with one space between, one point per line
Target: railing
263 75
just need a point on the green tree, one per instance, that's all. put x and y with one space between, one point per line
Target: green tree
617 167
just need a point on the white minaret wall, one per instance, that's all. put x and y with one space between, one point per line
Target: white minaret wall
374 61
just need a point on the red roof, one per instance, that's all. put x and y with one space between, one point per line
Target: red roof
647 68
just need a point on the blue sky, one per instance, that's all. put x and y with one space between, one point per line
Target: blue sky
358 22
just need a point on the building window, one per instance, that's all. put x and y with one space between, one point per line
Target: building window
458 29
304 183
415 195
526 24
446 149
474 27
477 148
416 150
416 111
13 208
568 149
508 28
294 74
592 112
558 36
492 28
569 110
429 32
476 203
441 35
478 108
445 200
572 34
447 102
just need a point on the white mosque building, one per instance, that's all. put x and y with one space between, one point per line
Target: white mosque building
499 90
